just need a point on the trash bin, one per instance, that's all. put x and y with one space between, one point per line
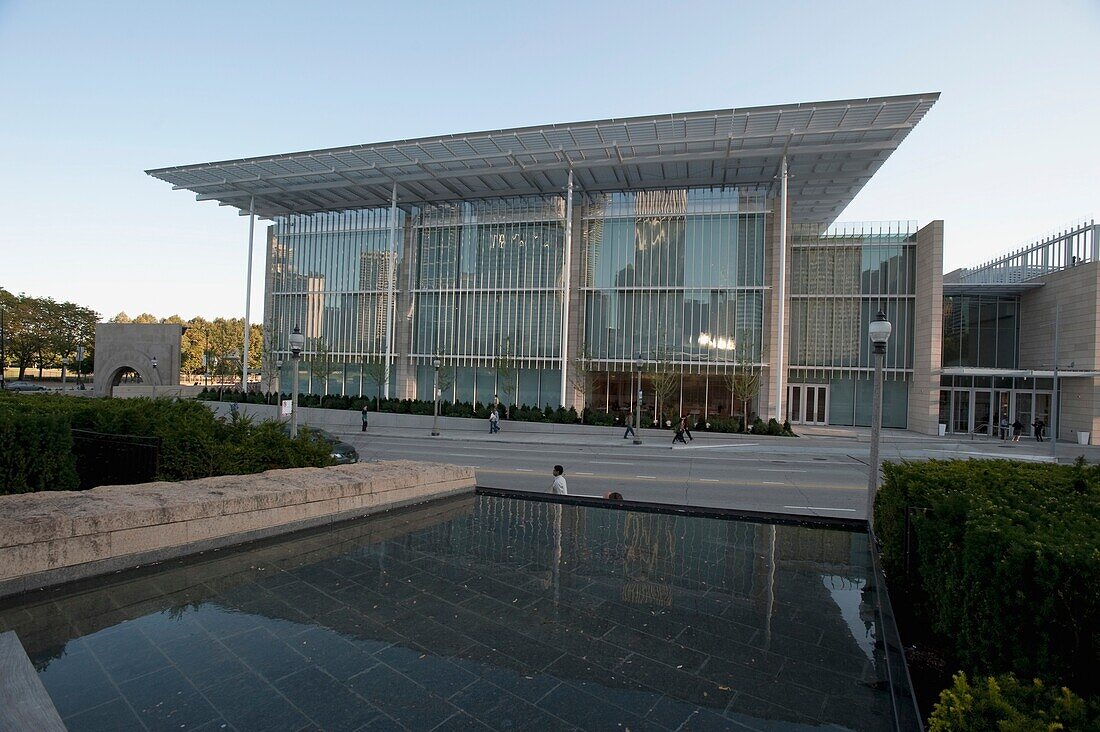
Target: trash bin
943 429
1083 438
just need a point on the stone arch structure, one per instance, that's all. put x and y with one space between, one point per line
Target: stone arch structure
123 346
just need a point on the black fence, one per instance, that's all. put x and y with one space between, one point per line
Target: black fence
115 459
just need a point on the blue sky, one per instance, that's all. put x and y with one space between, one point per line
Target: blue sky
92 94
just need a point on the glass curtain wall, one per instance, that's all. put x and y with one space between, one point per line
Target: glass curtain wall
840 278
981 330
330 276
488 297
676 276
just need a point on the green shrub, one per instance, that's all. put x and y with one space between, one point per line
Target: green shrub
1003 703
1005 562
37 453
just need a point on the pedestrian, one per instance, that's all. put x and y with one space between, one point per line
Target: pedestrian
234 410
1039 426
679 436
1005 426
364 415
494 421
685 428
558 487
629 430
1017 429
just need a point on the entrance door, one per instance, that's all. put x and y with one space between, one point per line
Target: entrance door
983 413
807 403
960 419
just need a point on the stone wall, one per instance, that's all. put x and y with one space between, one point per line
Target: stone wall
1068 297
924 391
57 536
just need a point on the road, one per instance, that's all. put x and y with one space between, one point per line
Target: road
738 476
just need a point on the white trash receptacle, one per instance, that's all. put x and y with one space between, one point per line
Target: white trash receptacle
943 429
1083 438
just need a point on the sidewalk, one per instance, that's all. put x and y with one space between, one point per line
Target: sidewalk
821 440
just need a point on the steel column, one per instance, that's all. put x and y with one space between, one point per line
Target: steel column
392 277
876 430
566 278
248 292
778 362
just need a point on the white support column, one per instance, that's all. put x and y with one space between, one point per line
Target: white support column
248 293
779 361
568 264
392 281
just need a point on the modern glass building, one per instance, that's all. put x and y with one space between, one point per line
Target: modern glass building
540 265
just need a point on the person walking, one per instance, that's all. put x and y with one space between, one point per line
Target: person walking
1017 429
364 414
1005 426
494 421
629 429
685 428
679 436
558 487
1039 426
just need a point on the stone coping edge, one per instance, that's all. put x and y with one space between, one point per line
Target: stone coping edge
448 481
24 702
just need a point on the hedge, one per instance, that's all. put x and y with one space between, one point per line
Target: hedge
1004 703
1004 563
477 410
36 453
194 443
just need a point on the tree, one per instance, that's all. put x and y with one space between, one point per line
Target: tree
446 377
374 367
320 365
505 366
743 382
665 379
582 375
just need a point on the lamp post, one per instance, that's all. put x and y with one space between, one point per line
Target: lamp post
3 347
638 402
435 397
297 341
64 368
879 330
155 376
80 367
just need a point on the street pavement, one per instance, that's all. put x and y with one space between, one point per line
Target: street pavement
820 474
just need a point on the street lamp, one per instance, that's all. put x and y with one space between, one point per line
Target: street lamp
3 346
435 395
879 330
297 341
638 402
80 367
155 375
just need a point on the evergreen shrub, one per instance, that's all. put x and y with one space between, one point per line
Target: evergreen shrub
1004 562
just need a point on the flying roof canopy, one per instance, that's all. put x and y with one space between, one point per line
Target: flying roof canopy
833 149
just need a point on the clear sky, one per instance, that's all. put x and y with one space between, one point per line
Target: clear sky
94 93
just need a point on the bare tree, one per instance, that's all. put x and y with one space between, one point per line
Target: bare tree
446 378
582 375
320 365
505 366
744 383
665 378
374 367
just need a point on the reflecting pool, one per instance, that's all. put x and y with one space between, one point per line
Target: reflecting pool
474 613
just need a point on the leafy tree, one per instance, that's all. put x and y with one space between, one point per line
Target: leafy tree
446 378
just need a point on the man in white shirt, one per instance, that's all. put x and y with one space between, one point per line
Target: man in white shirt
558 488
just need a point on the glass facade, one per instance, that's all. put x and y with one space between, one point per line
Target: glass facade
981 330
676 276
840 278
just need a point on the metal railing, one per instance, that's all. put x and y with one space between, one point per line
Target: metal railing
1069 247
